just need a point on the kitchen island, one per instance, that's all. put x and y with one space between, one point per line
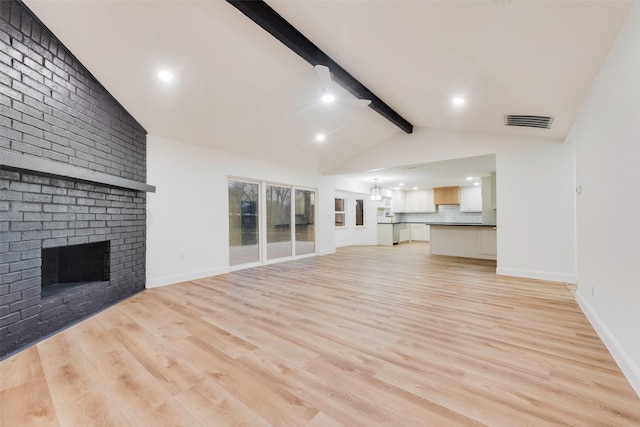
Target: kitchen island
464 240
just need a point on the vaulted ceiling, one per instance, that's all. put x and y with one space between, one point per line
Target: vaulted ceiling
237 89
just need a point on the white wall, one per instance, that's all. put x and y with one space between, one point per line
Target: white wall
535 192
607 138
352 235
432 145
352 190
536 212
187 224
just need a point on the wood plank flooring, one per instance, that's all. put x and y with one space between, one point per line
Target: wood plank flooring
370 336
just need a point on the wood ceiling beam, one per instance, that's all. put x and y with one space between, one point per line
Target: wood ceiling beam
263 15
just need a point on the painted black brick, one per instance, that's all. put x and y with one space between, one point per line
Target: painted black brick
51 106
35 226
55 108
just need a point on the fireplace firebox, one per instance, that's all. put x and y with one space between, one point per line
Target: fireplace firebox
76 263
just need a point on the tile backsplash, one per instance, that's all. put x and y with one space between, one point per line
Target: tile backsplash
444 213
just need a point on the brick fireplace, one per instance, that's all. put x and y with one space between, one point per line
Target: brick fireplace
72 187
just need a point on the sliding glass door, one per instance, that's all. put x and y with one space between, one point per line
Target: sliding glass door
269 221
305 210
244 222
278 210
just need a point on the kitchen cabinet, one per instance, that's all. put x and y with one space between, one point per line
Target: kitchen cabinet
392 234
446 195
385 234
419 232
418 201
471 199
397 203
411 201
400 233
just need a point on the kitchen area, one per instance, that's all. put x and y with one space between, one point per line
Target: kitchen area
456 220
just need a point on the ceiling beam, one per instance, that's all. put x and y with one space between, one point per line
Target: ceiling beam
263 15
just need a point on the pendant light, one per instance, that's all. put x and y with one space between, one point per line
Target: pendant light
375 191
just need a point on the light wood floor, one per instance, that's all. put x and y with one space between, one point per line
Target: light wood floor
370 336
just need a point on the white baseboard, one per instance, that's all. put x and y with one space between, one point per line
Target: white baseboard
627 365
540 275
194 275
184 277
327 252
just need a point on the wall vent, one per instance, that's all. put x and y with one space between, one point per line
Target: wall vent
542 122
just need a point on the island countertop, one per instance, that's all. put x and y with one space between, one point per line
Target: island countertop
461 224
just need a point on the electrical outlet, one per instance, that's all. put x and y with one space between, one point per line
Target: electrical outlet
183 257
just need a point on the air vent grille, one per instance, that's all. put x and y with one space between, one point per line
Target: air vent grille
542 122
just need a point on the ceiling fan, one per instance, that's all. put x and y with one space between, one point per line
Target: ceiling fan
328 93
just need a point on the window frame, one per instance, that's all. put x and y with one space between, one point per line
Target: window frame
342 212
363 213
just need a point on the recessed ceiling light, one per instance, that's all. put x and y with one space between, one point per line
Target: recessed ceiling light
458 100
469 178
375 170
328 98
401 184
415 188
320 137
165 75
476 183
396 188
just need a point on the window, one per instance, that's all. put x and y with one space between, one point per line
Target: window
340 214
359 212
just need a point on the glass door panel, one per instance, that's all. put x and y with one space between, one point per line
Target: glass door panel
244 222
305 222
278 206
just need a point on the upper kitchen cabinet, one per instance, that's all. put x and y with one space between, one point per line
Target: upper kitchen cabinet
446 195
418 201
471 199
398 201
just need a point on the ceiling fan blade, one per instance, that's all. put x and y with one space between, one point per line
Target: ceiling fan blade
325 78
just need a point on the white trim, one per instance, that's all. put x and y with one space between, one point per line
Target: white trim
184 277
278 260
373 243
244 266
540 275
628 366
327 252
343 212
